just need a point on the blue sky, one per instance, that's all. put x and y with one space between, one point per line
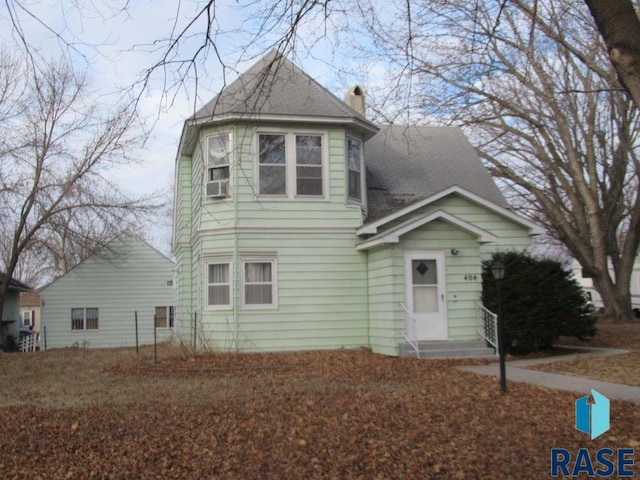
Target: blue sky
116 47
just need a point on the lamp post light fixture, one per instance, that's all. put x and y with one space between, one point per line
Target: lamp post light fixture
498 270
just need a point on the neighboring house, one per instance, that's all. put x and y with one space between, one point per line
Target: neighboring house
299 224
587 284
10 324
30 310
95 303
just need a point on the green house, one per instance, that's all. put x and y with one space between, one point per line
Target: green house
299 224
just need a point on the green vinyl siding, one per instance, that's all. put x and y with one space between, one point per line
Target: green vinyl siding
329 295
511 236
461 292
213 212
184 288
183 201
244 208
267 212
386 292
387 283
321 295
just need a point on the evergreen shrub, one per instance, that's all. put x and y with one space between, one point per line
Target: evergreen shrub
541 301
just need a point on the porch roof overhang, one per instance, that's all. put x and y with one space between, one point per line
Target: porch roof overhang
393 234
16 285
372 228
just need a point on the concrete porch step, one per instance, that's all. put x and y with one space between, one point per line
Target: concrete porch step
446 349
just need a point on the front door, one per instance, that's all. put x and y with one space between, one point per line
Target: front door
425 293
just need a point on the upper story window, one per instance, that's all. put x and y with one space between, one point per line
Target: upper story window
218 161
272 165
354 169
292 165
309 165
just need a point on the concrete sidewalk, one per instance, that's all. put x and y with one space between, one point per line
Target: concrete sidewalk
516 373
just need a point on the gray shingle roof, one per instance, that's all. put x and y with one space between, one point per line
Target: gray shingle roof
275 86
406 164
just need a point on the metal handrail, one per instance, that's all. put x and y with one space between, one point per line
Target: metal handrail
488 325
410 332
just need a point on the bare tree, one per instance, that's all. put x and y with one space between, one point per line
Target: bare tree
197 34
545 96
542 102
58 150
619 25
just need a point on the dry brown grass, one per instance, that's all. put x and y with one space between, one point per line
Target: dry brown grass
113 414
623 368
612 335
75 377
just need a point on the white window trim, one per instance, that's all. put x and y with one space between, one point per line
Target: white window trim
206 284
274 283
25 321
84 320
350 199
290 164
167 313
205 161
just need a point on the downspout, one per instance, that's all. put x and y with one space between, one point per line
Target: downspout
368 313
236 284
364 211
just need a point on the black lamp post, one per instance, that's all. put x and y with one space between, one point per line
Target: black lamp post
498 269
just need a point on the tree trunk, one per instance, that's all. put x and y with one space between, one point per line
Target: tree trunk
617 300
618 22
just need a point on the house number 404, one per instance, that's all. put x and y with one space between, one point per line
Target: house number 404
470 278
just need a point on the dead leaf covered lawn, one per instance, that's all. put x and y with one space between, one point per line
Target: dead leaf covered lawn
611 335
110 414
624 368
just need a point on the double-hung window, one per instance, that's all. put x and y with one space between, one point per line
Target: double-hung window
84 319
309 165
219 285
218 159
259 283
272 164
354 168
291 165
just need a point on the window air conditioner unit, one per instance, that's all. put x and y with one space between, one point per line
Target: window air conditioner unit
217 189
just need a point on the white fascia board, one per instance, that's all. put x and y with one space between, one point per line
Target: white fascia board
393 235
257 117
190 128
372 228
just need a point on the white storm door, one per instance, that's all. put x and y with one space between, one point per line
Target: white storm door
425 293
